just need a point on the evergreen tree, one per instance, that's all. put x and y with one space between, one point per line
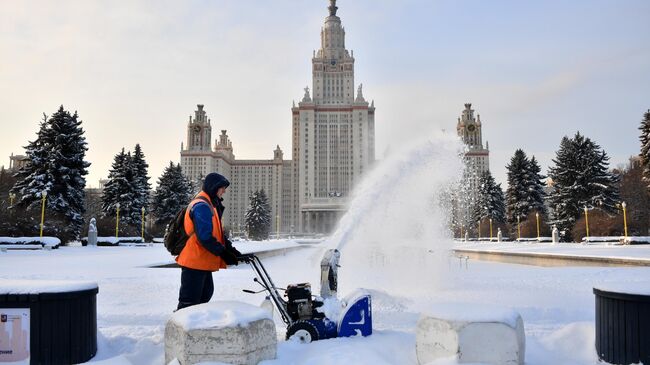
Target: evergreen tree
563 174
645 147
580 179
197 184
258 216
141 184
517 194
536 193
525 194
174 191
120 188
463 201
491 204
56 166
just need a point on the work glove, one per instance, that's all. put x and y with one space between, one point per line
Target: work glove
232 249
229 257
246 257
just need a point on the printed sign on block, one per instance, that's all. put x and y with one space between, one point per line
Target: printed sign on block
14 335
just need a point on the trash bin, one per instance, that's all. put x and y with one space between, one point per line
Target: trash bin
623 324
48 322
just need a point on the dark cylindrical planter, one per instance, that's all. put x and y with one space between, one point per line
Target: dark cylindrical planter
622 326
62 323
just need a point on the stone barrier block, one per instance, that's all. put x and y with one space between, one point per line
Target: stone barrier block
228 332
472 334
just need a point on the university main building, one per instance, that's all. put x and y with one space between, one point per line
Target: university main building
333 145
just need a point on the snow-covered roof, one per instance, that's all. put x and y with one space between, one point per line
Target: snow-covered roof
25 286
221 314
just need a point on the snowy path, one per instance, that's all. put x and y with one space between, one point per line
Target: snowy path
135 301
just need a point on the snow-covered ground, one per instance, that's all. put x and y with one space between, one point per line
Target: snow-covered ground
394 242
135 301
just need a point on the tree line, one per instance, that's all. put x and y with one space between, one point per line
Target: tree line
54 177
579 179
579 182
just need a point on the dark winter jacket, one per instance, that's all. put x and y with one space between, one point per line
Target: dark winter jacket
208 253
201 213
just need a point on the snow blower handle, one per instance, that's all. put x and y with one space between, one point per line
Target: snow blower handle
264 279
247 257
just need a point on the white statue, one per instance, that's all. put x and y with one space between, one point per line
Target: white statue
499 235
360 94
92 232
555 234
307 97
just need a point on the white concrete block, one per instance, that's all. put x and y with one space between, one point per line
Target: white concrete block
472 334
228 332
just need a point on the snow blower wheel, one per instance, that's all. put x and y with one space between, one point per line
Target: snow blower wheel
302 331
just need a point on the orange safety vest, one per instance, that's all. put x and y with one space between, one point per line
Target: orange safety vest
194 255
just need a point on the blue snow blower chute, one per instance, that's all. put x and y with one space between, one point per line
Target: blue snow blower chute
300 310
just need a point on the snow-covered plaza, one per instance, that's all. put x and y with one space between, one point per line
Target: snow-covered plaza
398 247
136 299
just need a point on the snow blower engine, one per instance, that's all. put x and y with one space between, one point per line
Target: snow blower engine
300 310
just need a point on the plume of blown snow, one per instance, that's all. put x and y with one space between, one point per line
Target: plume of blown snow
395 235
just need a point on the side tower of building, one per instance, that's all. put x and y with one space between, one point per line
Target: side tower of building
196 153
199 158
333 134
477 157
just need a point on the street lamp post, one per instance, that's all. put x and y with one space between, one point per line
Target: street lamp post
142 224
43 196
12 197
117 222
587 220
537 219
624 217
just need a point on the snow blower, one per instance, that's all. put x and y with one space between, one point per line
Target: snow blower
299 311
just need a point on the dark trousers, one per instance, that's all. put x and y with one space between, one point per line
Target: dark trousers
196 287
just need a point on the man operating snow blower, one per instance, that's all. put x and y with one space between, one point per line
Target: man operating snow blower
206 249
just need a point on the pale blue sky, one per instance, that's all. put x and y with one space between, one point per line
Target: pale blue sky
135 70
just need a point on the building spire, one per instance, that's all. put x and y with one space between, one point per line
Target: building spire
333 8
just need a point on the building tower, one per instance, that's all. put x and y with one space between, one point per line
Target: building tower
199 131
333 134
477 158
200 157
196 156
